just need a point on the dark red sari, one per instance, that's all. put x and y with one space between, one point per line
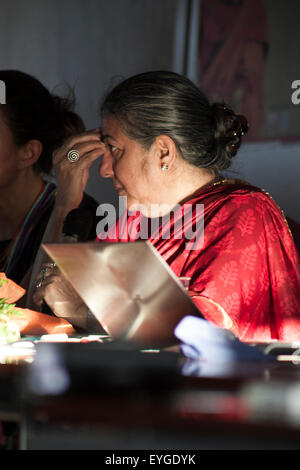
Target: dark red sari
244 273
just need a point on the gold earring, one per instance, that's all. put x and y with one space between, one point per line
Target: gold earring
164 166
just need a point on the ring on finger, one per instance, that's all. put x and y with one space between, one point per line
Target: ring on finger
39 283
43 273
73 156
47 268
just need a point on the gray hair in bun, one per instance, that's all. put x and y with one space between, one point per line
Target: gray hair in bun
165 103
228 132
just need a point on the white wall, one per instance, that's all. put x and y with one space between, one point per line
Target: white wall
87 43
275 167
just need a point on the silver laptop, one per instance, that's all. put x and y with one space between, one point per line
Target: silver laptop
129 288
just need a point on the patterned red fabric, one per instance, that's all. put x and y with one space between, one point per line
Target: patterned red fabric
246 276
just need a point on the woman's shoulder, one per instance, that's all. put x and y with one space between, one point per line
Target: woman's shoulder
258 198
228 191
235 199
237 186
238 192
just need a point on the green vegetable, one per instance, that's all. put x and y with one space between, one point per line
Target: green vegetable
8 330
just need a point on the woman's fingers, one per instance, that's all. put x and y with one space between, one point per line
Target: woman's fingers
44 283
88 138
63 300
87 153
39 293
45 271
85 147
44 277
81 147
72 176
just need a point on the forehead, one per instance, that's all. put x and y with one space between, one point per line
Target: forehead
111 129
112 133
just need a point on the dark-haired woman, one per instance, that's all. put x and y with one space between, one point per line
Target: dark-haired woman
165 149
33 123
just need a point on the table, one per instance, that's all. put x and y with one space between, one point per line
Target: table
101 396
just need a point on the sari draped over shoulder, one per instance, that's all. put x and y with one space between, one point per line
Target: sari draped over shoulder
238 254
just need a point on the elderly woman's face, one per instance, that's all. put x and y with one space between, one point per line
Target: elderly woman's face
134 171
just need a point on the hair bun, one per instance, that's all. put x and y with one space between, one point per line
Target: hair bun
229 128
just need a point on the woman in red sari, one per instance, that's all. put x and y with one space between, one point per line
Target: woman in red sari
165 147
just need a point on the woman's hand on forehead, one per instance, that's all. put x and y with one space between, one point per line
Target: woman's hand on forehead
72 176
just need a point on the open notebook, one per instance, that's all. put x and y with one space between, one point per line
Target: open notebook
128 287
